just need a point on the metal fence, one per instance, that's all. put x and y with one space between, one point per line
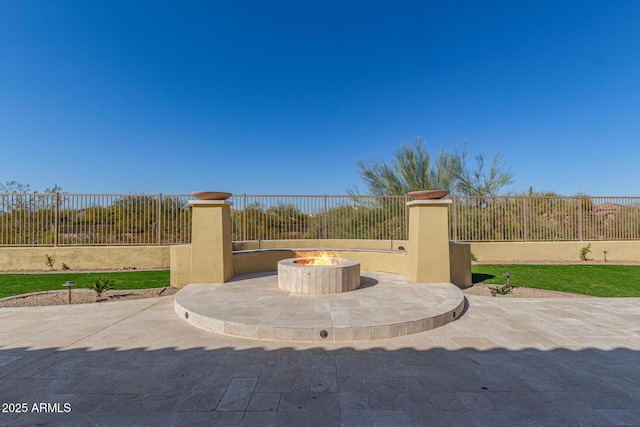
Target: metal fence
161 219
277 217
544 218
132 219
94 219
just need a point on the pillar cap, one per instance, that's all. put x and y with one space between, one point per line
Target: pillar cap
211 195
198 203
428 194
436 202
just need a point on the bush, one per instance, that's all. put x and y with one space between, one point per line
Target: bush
584 252
101 285
501 289
49 261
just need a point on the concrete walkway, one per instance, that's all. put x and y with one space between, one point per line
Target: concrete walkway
506 362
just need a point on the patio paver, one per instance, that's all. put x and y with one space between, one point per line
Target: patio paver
504 362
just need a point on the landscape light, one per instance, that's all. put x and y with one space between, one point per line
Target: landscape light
69 285
508 275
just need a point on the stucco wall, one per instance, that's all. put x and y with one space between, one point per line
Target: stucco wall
319 244
247 262
180 273
460 264
84 257
555 251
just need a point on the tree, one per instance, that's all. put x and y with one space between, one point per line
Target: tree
14 187
414 169
478 181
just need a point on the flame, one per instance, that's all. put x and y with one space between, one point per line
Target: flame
313 258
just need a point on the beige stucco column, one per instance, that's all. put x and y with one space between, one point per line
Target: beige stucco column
211 250
428 248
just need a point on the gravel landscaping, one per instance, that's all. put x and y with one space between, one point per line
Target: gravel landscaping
82 296
87 296
518 292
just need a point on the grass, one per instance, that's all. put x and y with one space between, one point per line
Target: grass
16 284
596 280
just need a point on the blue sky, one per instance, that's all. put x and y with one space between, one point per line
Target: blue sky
284 97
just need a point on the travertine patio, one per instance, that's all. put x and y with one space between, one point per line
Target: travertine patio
505 362
385 306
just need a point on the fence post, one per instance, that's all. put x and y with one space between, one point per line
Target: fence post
525 217
244 216
56 221
579 217
158 219
406 217
325 216
454 221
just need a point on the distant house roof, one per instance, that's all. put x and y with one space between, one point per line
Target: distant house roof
607 208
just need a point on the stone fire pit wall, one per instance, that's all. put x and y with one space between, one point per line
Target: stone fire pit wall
318 279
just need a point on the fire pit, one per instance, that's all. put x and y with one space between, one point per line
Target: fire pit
315 275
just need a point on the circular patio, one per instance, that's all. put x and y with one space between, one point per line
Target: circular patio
385 306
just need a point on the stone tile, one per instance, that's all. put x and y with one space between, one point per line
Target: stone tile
237 395
284 377
344 334
359 418
284 333
436 418
259 419
381 332
303 334
362 333
350 401
146 365
390 417
309 409
323 378
390 394
621 417
188 419
265 332
264 402
352 384
392 308
474 400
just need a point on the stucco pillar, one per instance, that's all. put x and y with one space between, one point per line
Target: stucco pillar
211 250
428 248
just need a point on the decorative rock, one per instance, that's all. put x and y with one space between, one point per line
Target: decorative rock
211 195
427 194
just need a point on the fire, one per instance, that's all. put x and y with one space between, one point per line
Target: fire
313 258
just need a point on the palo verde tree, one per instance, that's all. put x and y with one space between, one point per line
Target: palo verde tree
414 168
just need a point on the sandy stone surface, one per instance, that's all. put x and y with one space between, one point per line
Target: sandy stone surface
82 296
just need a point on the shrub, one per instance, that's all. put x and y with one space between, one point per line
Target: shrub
49 261
501 289
584 252
101 285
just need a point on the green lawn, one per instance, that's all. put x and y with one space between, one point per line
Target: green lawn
16 284
597 280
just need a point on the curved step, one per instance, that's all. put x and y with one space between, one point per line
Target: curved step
385 306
